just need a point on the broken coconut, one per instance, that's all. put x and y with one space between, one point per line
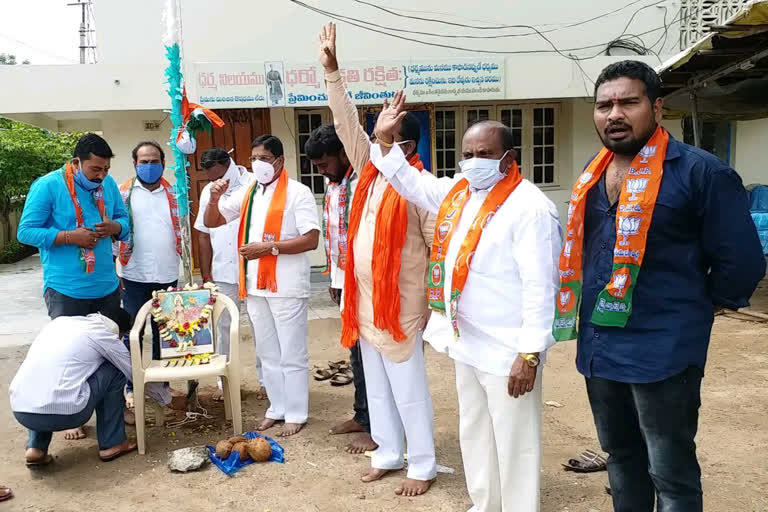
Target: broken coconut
241 449
259 449
223 449
237 439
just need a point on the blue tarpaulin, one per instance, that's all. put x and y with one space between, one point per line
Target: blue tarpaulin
758 206
232 464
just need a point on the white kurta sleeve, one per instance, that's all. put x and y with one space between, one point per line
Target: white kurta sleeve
230 207
205 197
305 210
423 189
537 246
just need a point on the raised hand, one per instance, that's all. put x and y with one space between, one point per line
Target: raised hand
390 118
218 188
328 48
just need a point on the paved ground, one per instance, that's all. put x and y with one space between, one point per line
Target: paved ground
319 476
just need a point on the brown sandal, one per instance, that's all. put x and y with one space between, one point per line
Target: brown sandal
5 493
342 378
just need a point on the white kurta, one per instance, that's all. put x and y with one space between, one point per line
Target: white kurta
280 318
154 258
506 307
334 189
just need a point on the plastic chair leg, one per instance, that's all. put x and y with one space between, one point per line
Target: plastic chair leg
225 395
138 399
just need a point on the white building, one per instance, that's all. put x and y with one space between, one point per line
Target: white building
228 47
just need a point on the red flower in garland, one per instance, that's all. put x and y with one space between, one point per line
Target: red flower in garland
173 344
186 325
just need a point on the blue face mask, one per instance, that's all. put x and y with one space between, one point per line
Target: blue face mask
149 173
84 182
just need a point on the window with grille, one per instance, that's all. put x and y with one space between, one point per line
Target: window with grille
306 121
513 118
445 142
543 146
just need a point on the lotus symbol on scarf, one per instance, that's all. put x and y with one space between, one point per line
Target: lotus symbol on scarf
628 226
571 208
584 178
636 186
567 248
619 282
646 153
565 297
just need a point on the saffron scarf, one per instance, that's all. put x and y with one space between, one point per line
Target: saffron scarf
345 191
273 224
389 239
87 256
447 221
633 220
126 188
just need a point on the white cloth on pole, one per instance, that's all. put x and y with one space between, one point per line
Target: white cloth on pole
400 409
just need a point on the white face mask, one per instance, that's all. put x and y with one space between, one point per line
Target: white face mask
482 173
264 172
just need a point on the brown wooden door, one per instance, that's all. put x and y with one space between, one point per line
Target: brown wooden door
242 126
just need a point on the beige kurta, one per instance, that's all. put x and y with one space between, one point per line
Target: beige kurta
418 240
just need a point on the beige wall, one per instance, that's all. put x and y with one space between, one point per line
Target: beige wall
748 150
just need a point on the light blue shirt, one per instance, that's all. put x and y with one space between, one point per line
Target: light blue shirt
48 210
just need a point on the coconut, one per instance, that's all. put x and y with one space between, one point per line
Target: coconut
223 449
241 449
237 439
259 449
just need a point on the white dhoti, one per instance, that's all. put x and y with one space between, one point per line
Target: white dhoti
500 439
400 409
280 334
230 290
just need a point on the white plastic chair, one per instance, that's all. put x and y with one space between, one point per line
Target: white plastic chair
229 371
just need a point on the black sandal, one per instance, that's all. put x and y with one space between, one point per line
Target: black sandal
587 462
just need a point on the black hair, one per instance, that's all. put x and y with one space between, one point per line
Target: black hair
411 129
91 144
135 152
270 143
632 69
214 156
323 141
121 317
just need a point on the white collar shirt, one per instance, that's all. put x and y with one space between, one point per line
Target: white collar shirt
507 305
53 379
224 265
154 258
299 218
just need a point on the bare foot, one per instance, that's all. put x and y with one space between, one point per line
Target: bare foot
411 487
218 396
74 434
35 456
266 423
290 429
347 427
129 402
129 417
117 451
373 474
261 394
361 444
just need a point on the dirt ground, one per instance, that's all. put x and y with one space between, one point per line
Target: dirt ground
319 476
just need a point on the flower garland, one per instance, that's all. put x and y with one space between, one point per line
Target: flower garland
184 332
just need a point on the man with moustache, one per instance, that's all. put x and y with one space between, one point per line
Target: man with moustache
658 238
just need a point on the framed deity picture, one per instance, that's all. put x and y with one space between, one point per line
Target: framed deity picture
185 321
425 113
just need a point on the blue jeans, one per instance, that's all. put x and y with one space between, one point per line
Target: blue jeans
648 431
106 399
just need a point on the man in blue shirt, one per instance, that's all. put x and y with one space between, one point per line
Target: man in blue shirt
71 215
644 328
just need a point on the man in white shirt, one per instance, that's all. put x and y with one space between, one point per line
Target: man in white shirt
326 151
149 261
492 279
217 247
75 366
278 227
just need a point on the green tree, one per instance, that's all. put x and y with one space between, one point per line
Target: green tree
10 59
26 153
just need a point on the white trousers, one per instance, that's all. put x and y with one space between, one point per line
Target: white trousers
500 439
230 290
280 334
400 409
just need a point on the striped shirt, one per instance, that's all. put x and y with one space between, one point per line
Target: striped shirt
53 379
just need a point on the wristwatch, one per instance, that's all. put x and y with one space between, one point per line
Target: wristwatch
275 250
531 359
